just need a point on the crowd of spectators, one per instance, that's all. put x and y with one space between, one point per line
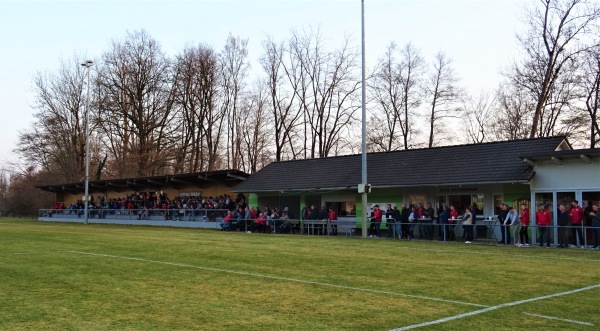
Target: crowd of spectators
236 215
251 219
146 204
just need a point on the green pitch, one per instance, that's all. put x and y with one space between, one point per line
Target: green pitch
58 276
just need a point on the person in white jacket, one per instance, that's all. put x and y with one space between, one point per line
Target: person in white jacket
511 217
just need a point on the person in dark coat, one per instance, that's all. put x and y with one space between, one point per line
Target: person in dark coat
563 222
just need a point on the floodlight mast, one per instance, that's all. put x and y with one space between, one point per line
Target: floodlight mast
364 121
88 65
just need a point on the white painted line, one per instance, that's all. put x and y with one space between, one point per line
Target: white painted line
282 278
485 310
560 319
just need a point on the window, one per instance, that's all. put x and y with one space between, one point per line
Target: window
416 198
343 208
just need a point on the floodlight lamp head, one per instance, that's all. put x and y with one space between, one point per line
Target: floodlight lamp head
87 63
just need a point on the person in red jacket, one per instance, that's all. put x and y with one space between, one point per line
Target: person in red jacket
524 234
260 224
543 220
226 221
376 217
576 217
332 217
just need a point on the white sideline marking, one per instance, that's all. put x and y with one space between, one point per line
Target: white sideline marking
282 278
560 319
485 310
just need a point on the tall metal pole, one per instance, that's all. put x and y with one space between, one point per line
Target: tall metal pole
364 123
88 65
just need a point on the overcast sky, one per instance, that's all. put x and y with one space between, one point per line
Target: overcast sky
479 35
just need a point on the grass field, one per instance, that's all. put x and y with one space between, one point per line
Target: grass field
56 276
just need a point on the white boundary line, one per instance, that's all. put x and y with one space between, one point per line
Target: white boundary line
560 319
485 310
281 278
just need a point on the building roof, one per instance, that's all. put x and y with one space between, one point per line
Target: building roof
146 183
495 162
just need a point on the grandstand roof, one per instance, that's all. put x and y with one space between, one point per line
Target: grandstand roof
495 162
231 177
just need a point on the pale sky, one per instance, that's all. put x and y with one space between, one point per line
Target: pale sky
479 35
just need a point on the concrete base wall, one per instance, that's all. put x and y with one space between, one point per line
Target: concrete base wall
158 222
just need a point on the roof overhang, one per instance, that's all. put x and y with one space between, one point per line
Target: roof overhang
153 182
587 155
355 187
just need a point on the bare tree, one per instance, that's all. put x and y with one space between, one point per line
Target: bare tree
233 62
513 114
591 93
22 197
411 76
479 117
136 105
255 134
557 30
282 79
327 91
386 93
396 92
56 141
442 89
196 88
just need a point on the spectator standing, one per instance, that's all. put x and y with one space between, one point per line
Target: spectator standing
563 222
543 219
332 217
412 219
376 217
419 213
322 215
576 216
397 220
524 233
516 228
444 216
468 225
595 214
313 214
429 213
502 218
511 217
404 220
389 221
305 212
474 213
453 212
587 221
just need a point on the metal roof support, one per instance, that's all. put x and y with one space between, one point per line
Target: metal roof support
232 175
